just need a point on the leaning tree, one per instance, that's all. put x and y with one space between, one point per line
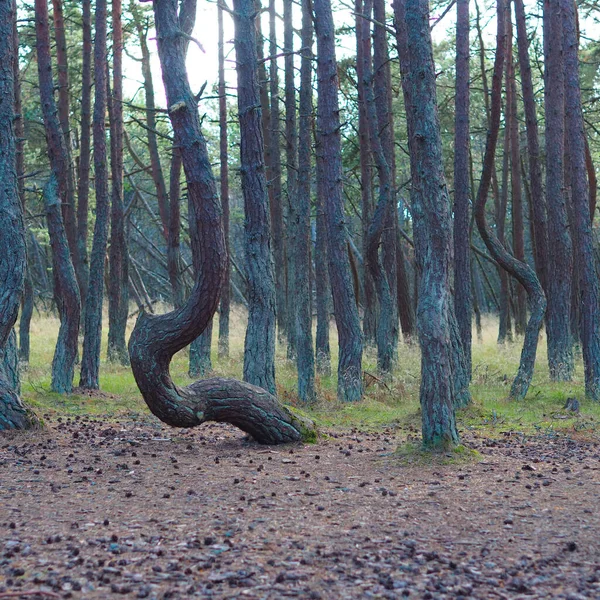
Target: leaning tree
13 415
156 338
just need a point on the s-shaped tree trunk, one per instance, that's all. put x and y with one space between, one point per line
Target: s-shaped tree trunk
156 338
13 415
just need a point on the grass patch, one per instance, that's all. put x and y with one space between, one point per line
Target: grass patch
412 454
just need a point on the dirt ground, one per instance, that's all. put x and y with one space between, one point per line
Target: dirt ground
138 510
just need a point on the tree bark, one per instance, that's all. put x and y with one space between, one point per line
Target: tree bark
155 339
431 222
583 246
305 356
83 183
560 252
13 415
259 345
350 387
462 222
56 194
118 288
225 304
92 335
521 271
69 300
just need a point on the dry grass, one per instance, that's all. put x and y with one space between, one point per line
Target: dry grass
393 403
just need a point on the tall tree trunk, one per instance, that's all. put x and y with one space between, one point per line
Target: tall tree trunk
405 304
92 335
322 286
27 299
382 82
276 196
224 307
350 387
57 193
521 271
385 326
291 155
155 339
118 288
589 288
13 415
305 357
462 188
83 183
259 345
68 209
560 253
363 48
431 222
518 229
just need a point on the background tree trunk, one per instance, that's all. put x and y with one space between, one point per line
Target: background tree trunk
350 386
90 362
259 346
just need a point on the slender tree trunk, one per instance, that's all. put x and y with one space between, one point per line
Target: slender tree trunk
224 308
27 300
385 326
305 357
69 301
431 222
259 346
200 358
589 288
83 183
322 286
68 208
92 336
118 288
276 197
350 386
56 194
560 254
291 155
155 339
521 271
405 304
462 221
518 229
13 415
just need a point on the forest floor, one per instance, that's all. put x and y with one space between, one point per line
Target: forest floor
107 502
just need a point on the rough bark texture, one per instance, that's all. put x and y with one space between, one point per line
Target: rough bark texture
560 253
174 260
156 339
380 218
224 307
406 310
583 246
432 224
118 288
66 289
69 300
350 385
200 359
90 361
305 356
13 415
276 195
83 183
259 345
462 187
521 271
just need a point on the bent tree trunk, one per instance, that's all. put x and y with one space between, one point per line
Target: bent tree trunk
156 338
521 271
13 415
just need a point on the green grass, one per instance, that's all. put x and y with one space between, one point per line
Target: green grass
393 403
